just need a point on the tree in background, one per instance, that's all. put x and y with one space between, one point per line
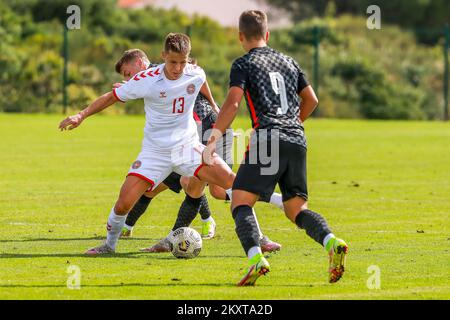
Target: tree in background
360 77
426 16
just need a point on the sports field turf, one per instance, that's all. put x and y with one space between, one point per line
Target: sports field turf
383 186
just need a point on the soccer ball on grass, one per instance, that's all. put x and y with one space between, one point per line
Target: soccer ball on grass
185 243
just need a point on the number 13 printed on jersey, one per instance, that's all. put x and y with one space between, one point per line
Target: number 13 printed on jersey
178 105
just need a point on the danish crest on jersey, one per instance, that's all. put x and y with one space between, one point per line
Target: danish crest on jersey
137 164
190 89
162 94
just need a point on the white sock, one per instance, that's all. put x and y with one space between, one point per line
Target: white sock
257 224
229 192
327 238
114 227
277 200
128 227
208 219
254 251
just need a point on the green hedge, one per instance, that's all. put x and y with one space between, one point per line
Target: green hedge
363 74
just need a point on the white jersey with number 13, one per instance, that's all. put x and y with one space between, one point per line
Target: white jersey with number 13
169 105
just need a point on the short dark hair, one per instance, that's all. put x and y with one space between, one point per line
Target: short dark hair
178 43
253 24
129 56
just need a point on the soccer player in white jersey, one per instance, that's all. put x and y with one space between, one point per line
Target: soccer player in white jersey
133 62
171 141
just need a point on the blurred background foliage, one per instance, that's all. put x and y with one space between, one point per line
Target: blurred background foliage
392 73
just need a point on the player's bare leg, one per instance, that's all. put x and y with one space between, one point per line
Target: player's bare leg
208 224
138 210
316 227
132 189
194 189
217 192
193 186
267 245
242 203
220 171
195 198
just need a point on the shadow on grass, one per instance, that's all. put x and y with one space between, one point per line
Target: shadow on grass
66 255
71 239
177 284
170 257
128 255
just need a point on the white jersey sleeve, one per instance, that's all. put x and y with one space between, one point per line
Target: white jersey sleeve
136 88
195 70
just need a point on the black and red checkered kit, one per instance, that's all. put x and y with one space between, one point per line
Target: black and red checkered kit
271 81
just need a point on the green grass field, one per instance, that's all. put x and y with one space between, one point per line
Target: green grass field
383 186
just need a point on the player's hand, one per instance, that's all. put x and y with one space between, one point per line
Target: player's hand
71 122
118 84
215 108
208 153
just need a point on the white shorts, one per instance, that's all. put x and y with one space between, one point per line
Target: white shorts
155 167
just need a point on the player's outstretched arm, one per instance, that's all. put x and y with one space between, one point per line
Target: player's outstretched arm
98 105
226 116
308 104
228 112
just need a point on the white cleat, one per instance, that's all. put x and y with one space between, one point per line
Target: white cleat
268 245
101 249
162 246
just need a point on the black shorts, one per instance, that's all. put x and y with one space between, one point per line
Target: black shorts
290 176
265 197
173 182
224 149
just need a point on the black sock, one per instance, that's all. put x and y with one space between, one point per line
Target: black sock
188 211
205 213
315 225
227 197
246 227
137 211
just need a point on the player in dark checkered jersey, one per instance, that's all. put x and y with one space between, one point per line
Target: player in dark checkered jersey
205 112
272 84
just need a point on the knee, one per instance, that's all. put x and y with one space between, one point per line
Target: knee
304 206
195 188
194 192
229 180
184 181
122 207
292 212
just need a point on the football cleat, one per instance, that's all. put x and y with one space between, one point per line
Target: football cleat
257 269
101 249
162 246
268 245
208 229
126 233
337 256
